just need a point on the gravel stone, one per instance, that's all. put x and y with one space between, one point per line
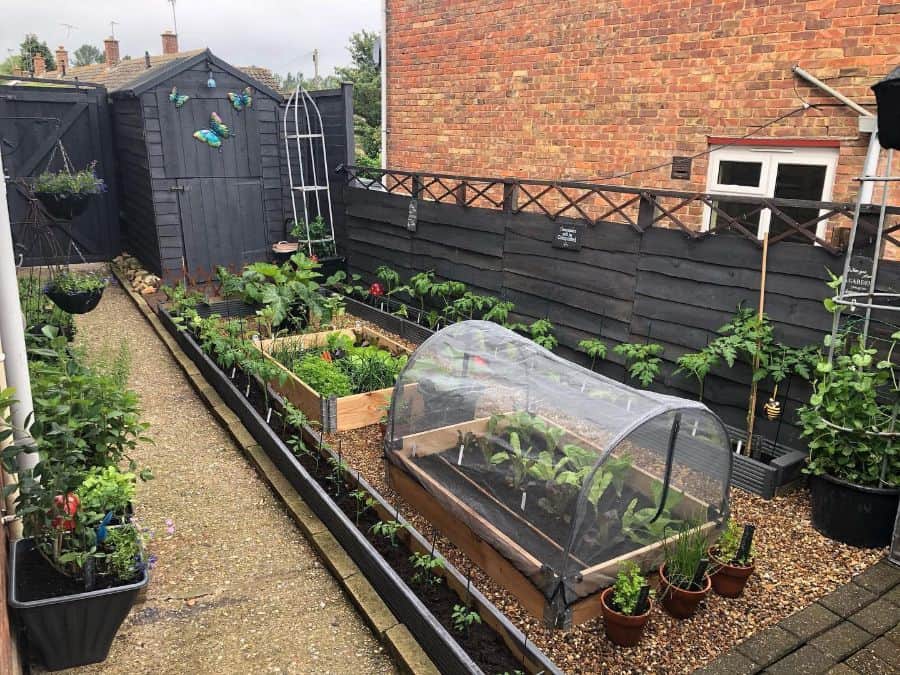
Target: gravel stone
237 588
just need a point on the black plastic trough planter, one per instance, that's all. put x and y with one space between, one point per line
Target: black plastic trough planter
766 479
853 514
72 630
438 643
409 330
75 303
64 206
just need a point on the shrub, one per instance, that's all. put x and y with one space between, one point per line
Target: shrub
84 182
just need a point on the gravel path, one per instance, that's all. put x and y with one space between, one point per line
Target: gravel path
237 589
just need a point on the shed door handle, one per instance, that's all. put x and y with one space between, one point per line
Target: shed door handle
176 188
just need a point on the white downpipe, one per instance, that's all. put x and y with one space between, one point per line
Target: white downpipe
870 168
384 62
12 334
15 526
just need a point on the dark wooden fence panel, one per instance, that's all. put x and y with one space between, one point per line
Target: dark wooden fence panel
32 118
622 285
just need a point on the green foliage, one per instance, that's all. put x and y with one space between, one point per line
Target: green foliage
463 618
39 310
698 364
426 567
323 376
363 502
87 54
366 79
729 544
350 287
31 46
627 589
313 234
370 368
521 459
105 489
77 282
125 558
595 348
84 182
11 64
637 525
387 529
419 287
852 404
642 360
683 555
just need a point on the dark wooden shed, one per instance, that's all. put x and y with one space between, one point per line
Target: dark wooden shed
186 207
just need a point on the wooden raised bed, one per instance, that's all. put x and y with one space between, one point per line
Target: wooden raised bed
475 534
333 413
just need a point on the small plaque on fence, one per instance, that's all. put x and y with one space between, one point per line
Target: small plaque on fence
413 216
569 236
859 275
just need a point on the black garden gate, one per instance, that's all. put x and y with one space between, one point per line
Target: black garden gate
34 116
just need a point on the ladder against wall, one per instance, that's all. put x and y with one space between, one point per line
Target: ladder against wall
307 160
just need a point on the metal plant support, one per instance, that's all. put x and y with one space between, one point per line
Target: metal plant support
869 301
305 148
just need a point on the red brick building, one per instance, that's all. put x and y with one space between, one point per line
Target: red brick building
589 89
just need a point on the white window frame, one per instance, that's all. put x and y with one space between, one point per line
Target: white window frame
770 157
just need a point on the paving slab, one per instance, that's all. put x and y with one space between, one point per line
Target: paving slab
867 662
810 621
880 578
768 646
732 663
237 588
805 661
877 618
842 640
847 599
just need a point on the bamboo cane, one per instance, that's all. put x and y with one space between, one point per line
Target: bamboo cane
754 387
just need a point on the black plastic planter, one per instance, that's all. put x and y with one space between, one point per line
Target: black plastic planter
64 206
75 303
853 514
438 643
72 630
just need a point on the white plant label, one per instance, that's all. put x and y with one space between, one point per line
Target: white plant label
247 393
737 450
233 371
694 430
268 416
413 451
459 459
524 496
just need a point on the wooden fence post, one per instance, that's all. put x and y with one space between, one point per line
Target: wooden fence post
461 194
646 212
510 195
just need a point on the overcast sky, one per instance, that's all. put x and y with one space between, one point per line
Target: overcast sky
278 34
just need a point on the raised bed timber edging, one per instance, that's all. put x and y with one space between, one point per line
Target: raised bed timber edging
439 644
332 413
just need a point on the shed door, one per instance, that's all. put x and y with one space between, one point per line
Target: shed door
223 224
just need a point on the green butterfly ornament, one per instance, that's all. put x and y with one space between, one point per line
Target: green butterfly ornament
178 99
241 100
217 132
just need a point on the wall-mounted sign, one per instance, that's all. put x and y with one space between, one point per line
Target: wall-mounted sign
681 168
568 236
413 216
859 275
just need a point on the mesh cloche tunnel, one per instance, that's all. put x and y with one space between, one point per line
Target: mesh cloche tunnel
545 473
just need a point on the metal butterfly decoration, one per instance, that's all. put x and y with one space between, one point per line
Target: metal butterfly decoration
217 132
178 99
241 100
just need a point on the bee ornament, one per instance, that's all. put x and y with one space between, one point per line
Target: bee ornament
772 408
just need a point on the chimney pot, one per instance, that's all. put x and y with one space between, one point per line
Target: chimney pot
169 42
62 59
111 48
38 64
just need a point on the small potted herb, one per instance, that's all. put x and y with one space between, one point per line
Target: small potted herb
76 292
65 194
732 558
684 582
626 606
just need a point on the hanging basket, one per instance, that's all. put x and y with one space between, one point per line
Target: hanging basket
64 206
75 303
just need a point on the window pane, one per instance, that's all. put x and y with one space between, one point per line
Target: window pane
737 211
740 173
798 181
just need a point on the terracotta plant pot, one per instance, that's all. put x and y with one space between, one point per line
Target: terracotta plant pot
729 580
678 602
283 250
622 629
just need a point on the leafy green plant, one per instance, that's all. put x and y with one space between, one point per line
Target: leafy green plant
729 543
125 557
84 182
336 476
316 234
499 311
349 286
323 376
370 368
698 365
637 525
595 348
387 529
105 489
683 554
463 618
426 567
521 459
77 282
642 359
390 278
627 588
300 449
419 287
363 502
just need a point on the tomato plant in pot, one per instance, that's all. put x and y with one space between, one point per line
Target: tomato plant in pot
66 194
684 582
76 292
732 560
850 422
626 606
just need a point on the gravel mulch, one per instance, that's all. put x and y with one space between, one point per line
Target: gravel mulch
237 589
795 566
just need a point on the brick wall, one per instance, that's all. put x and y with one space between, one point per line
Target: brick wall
587 88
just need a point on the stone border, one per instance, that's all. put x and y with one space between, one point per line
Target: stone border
396 637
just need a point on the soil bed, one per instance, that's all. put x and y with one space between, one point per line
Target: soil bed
37 580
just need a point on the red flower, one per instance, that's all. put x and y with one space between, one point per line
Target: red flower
479 361
376 289
314 257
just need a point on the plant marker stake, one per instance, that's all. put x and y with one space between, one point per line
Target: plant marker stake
524 495
737 450
459 459
643 596
694 428
269 416
746 542
233 371
699 572
247 393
